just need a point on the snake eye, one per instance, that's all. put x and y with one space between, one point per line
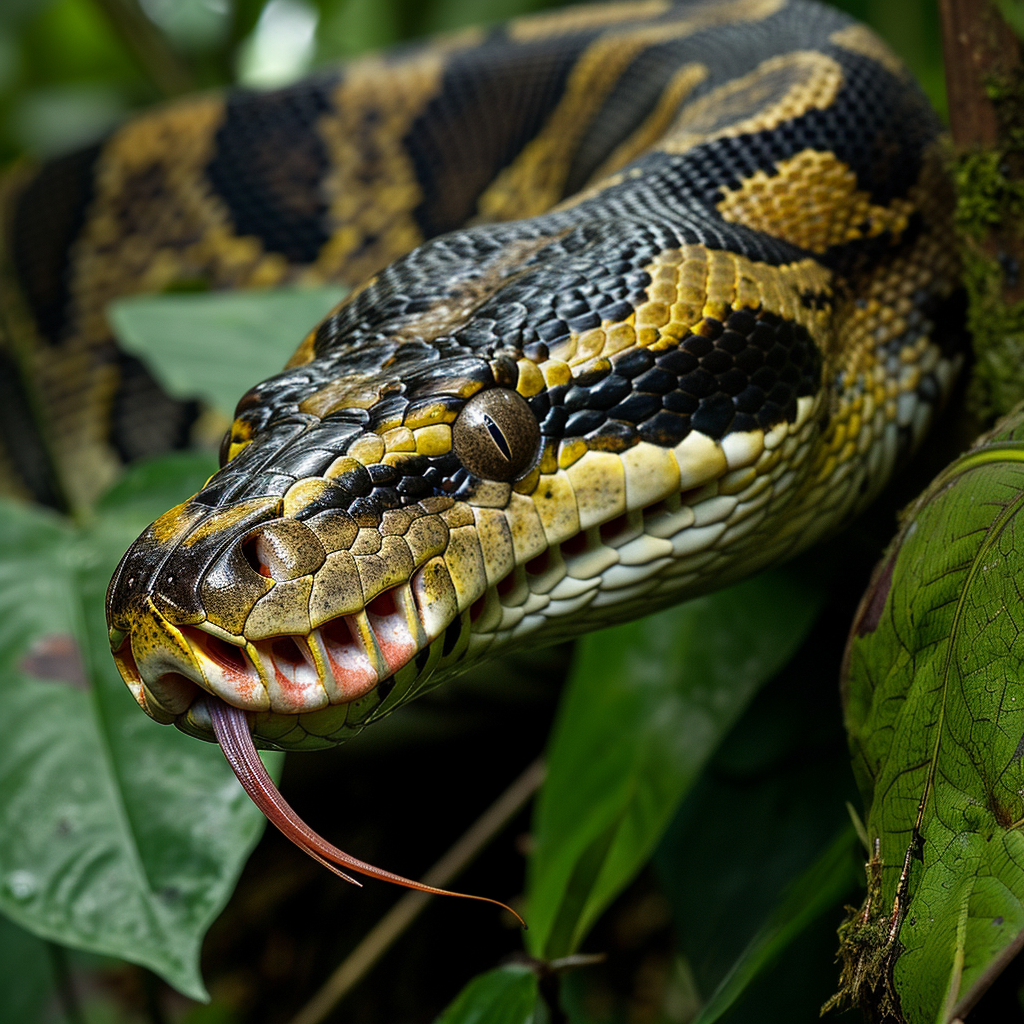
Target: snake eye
496 436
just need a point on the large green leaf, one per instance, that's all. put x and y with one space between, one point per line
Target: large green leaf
935 710
118 835
215 345
748 862
646 704
506 995
818 889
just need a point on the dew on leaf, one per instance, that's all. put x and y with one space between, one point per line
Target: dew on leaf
22 884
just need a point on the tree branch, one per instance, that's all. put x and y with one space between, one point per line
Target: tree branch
985 86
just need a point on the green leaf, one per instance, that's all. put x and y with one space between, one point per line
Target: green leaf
1013 12
935 710
646 705
26 974
768 806
121 836
818 889
349 28
506 995
215 346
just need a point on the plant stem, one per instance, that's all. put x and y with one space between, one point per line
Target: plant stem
164 67
381 937
66 993
151 994
976 45
985 87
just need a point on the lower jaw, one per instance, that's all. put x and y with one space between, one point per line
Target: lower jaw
322 687
528 602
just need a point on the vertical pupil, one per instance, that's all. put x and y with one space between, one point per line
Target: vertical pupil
498 437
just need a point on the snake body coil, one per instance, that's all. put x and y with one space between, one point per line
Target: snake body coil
704 303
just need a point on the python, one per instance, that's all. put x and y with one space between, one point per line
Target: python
646 296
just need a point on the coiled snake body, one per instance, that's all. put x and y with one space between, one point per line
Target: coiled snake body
704 303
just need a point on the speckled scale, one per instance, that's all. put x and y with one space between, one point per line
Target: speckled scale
679 327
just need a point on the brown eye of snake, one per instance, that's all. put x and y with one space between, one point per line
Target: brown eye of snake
496 436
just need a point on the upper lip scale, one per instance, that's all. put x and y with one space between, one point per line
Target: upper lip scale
249 681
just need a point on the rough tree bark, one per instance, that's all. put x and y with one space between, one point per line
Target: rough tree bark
985 87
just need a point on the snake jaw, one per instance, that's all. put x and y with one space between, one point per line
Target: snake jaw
322 680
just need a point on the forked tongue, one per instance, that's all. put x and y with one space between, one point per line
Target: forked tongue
231 728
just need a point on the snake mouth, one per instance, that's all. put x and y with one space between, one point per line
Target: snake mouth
300 690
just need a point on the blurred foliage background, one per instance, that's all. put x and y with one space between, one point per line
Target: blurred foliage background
70 70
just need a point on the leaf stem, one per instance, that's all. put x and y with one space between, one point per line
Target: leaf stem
383 935
66 994
151 995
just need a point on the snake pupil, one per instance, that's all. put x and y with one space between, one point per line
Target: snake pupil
498 437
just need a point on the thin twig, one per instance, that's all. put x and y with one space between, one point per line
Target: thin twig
166 69
151 994
356 965
66 993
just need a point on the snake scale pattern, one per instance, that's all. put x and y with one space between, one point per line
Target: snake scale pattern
646 296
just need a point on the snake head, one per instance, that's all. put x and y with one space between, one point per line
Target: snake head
469 470
327 572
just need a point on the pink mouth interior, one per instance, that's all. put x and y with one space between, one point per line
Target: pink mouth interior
353 673
232 731
389 626
232 660
355 661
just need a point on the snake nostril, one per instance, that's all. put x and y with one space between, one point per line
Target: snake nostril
251 552
283 550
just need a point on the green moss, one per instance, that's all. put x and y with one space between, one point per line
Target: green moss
985 195
997 329
990 206
867 952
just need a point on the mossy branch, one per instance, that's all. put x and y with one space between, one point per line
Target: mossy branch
985 85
